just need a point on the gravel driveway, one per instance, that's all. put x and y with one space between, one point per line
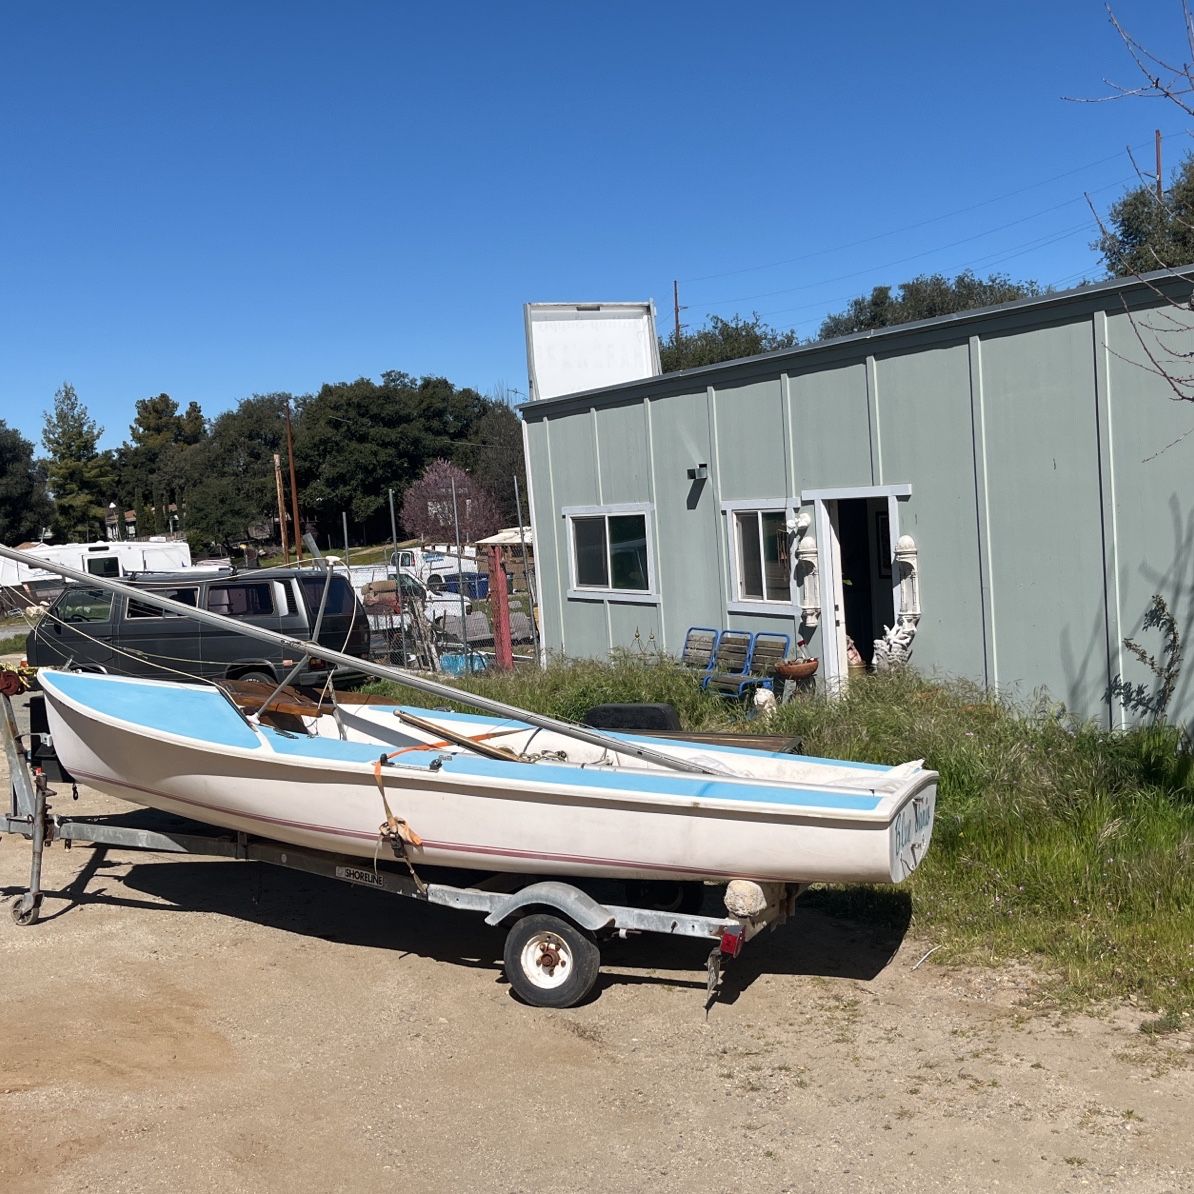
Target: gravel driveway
180 1023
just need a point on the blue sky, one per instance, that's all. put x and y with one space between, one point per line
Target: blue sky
224 199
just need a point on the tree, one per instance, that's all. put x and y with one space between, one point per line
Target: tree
25 506
151 469
924 297
1145 232
494 456
356 440
430 510
722 340
229 475
79 475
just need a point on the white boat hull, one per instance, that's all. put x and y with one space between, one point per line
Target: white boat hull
151 743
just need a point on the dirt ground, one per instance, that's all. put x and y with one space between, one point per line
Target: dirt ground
180 1023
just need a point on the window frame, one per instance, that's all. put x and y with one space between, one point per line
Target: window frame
80 591
579 592
156 614
247 583
736 603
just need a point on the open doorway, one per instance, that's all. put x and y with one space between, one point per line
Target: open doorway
856 529
864 537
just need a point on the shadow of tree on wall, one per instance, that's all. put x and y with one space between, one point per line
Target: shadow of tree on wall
1086 667
1175 585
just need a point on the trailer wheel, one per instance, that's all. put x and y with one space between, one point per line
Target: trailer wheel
23 914
261 676
550 962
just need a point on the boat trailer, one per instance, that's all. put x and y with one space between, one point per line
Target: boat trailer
554 929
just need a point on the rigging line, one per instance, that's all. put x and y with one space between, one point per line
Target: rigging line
922 223
870 270
142 657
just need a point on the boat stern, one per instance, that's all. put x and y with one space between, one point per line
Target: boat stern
912 829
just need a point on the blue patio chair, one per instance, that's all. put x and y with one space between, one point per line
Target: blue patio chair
700 643
765 649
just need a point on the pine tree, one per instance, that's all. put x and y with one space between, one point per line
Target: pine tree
79 475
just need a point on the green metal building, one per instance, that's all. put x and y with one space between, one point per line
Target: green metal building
1005 488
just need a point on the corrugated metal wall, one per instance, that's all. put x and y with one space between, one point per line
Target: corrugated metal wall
1044 502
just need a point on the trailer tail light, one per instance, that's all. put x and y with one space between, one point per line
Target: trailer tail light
731 944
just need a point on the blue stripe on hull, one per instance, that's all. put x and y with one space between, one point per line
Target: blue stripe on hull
207 716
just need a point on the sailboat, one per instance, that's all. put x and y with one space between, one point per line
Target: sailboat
490 793
502 789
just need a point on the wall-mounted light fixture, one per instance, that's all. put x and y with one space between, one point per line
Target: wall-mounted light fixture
698 472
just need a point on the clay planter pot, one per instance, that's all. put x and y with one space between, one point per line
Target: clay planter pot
796 669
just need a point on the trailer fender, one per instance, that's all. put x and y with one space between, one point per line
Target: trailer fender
570 901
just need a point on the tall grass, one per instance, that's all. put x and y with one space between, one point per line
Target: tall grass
1055 841
11 644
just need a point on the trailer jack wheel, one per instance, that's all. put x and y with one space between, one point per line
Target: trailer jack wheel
26 909
550 962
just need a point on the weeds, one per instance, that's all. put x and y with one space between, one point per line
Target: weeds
12 644
1139 698
1055 841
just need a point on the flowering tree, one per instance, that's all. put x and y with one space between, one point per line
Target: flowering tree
427 506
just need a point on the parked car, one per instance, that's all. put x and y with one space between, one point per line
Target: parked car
93 629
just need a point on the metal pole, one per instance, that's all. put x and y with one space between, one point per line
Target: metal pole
460 576
298 530
397 578
281 508
393 532
380 670
526 570
344 520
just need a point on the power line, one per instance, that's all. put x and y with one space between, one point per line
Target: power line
921 223
990 259
715 303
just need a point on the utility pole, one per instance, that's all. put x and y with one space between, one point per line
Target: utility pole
281 508
676 307
393 532
344 520
298 530
1160 185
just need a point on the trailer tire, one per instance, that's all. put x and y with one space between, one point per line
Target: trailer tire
549 961
258 674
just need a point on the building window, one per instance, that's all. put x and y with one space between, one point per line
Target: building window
611 550
759 553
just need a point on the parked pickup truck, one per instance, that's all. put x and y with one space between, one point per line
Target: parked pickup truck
432 566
